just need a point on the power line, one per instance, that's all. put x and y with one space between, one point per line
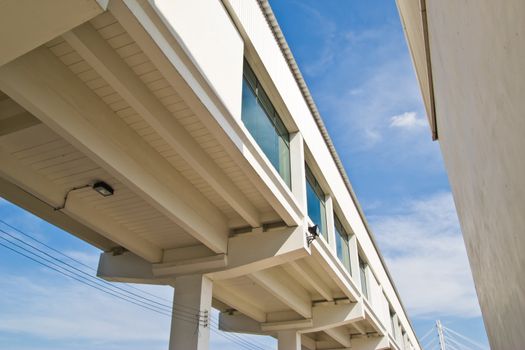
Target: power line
430 331
95 280
92 269
226 327
75 260
246 344
466 339
432 341
457 344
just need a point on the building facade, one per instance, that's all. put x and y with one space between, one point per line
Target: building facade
180 138
469 60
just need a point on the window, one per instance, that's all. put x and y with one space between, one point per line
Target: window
392 315
341 239
315 202
264 124
364 282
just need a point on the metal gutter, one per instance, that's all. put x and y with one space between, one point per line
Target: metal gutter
287 53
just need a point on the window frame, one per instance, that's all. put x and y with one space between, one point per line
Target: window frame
321 196
274 118
342 235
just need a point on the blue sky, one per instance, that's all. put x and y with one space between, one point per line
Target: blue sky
354 58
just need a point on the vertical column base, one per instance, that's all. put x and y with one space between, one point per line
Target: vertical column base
288 340
190 328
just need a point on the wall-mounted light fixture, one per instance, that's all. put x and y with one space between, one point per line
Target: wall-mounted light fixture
313 234
103 188
100 186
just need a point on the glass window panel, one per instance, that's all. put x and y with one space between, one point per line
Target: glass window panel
264 124
315 203
343 249
364 282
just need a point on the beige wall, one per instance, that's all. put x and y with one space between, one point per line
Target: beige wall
478 63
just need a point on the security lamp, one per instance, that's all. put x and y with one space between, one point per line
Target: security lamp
314 233
103 188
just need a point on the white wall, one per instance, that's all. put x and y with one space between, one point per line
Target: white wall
478 63
259 34
212 41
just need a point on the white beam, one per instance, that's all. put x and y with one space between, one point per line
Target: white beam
51 194
277 283
238 323
334 268
16 123
286 325
97 52
27 24
370 343
190 266
301 269
158 43
339 335
237 301
359 328
72 110
250 252
308 342
126 267
330 316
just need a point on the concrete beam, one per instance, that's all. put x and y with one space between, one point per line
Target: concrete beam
287 325
99 54
333 267
250 252
288 292
151 34
330 316
239 302
370 343
17 123
190 266
27 24
339 335
301 269
33 204
239 323
75 112
95 220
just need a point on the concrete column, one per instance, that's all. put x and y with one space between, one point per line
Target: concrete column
192 293
354 260
297 170
330 224
288 340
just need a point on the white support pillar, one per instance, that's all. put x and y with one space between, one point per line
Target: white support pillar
288 340
354 260
297 170
192 293
330 225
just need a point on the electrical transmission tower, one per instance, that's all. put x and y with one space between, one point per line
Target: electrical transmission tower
440 337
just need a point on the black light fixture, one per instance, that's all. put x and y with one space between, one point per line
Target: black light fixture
314 233
103 188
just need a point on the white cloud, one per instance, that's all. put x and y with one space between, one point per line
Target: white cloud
424 249
407 120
